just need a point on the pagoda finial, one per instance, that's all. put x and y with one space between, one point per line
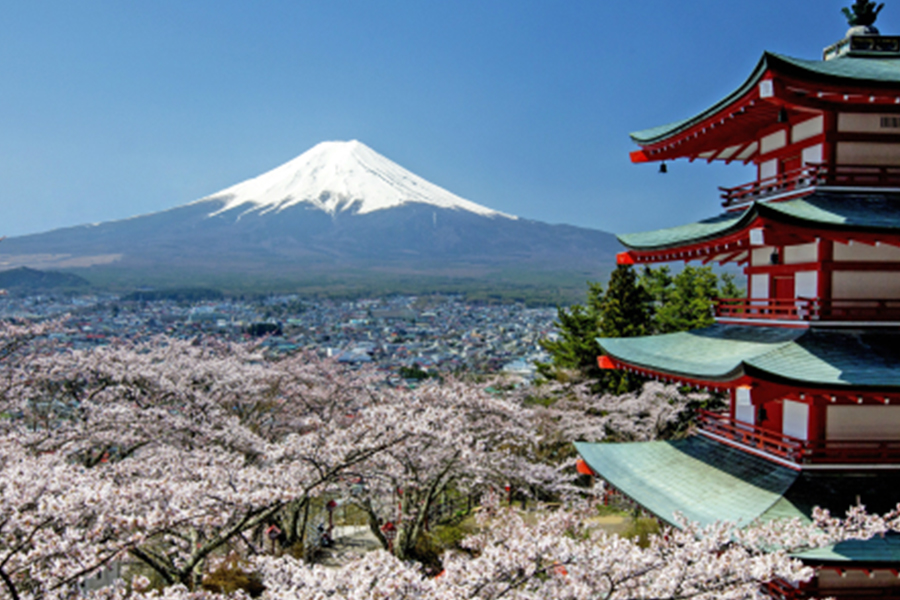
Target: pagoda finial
862 13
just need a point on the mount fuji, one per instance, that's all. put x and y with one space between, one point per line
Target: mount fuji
340 177
338 213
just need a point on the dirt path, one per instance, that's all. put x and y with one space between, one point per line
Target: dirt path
350 542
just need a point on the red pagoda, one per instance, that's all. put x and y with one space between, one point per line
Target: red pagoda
810 359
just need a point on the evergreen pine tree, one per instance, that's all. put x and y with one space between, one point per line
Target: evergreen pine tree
688 302
626 311
728 288
655 302
576 349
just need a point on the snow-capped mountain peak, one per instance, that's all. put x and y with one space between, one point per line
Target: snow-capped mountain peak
336 177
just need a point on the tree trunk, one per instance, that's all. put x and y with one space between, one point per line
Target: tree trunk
304 522
374 523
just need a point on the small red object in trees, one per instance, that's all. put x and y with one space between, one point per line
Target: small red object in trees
606 363
583 468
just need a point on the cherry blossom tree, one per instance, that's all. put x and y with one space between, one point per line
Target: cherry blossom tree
457 439
58 523
562 413
559 555
176 452
656 411
220 440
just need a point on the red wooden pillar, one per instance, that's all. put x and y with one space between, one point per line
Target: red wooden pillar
818 409
826 273
829 146
732 394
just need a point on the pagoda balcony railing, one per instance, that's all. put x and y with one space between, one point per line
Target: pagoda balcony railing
795 450
783 590
813 175
809 309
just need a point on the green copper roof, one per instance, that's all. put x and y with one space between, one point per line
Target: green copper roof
715 353
868 212
877 72
815 357
708 482
875 550
677 236
874 212
836 358
702 480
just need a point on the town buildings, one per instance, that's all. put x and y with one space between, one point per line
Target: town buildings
810 360
423 334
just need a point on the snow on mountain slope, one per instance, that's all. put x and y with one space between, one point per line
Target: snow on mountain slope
340 176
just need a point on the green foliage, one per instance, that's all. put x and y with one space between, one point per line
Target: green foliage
577 348
622 311
641 529
657 283
687 301
416 373
652 303
625 310
503 285
432 545
27 281
610 511
450 536
728 288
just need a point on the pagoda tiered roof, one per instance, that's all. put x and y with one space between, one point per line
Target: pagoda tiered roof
810 359
852 360
707 482
841 216
728 129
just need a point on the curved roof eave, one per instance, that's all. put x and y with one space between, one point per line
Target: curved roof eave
871 212
702 480
839 359
657 134
717 353
884 72
692 233
862 212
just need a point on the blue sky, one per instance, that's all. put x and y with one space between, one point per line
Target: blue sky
110 109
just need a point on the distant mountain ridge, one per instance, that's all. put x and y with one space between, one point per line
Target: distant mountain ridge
337 212
24 279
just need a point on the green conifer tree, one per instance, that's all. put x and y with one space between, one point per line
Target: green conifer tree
576 349
688 301
655 302
728 287
624 310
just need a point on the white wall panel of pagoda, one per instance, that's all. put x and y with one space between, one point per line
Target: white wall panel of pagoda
862 423
864 285
879 154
